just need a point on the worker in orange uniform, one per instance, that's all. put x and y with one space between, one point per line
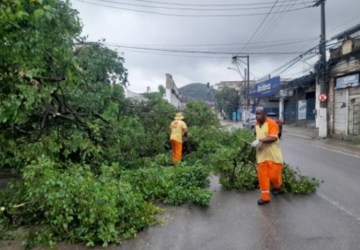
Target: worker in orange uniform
178 130
268 155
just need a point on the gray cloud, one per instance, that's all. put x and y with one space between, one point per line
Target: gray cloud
292 31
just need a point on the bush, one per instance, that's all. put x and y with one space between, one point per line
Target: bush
173 186
236 166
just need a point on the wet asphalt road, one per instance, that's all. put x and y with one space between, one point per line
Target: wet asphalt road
339 170
328 219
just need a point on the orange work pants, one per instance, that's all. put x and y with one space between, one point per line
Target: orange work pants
176 151
269 172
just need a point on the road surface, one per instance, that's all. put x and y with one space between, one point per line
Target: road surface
328 219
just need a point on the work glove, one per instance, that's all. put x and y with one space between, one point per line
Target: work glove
255 143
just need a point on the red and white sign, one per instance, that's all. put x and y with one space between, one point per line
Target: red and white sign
322 97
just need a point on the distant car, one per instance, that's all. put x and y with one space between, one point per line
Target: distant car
279 122
250 124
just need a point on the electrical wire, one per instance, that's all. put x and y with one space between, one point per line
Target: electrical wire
293 61
202 51
176 54
231 8
260 25
263 44
222 4
186 15
303 71
291 64
275 20
286 66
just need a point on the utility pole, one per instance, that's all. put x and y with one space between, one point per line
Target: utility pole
248 84
322 76
245 87
247 77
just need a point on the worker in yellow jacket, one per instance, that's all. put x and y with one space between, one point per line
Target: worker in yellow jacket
178 129
268 155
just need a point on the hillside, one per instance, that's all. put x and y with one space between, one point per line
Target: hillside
197 92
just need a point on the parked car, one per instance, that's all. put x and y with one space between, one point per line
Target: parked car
279 122
250 124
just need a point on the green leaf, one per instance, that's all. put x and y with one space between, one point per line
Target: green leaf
22 14
38 14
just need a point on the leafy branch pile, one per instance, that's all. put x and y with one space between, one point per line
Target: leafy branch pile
237 169
78 206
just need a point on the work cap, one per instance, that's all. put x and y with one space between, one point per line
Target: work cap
179 116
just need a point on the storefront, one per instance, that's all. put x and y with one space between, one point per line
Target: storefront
266 94
299 100
347 105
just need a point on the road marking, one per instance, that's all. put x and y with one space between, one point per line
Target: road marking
336 204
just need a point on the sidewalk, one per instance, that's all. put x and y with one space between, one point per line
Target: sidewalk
348 147
310 133
302 132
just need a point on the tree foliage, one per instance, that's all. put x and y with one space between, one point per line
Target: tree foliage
94 165
55 89
227 100
87 154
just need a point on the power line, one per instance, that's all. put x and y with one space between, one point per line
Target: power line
262 22
224 51
222 4
231 8
293 61
275 20
262 44
303 71
202 51
187 15
217 57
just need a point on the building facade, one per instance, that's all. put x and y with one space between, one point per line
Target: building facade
300 101
292 100
344 89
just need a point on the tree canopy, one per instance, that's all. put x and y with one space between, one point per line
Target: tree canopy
228 100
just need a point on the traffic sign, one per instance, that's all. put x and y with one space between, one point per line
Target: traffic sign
322 97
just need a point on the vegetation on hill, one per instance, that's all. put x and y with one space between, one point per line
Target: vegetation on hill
197 92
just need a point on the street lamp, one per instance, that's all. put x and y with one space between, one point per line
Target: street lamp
237 70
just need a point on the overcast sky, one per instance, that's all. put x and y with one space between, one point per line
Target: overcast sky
194 40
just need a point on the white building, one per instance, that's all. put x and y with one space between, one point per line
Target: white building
172 94
133 95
